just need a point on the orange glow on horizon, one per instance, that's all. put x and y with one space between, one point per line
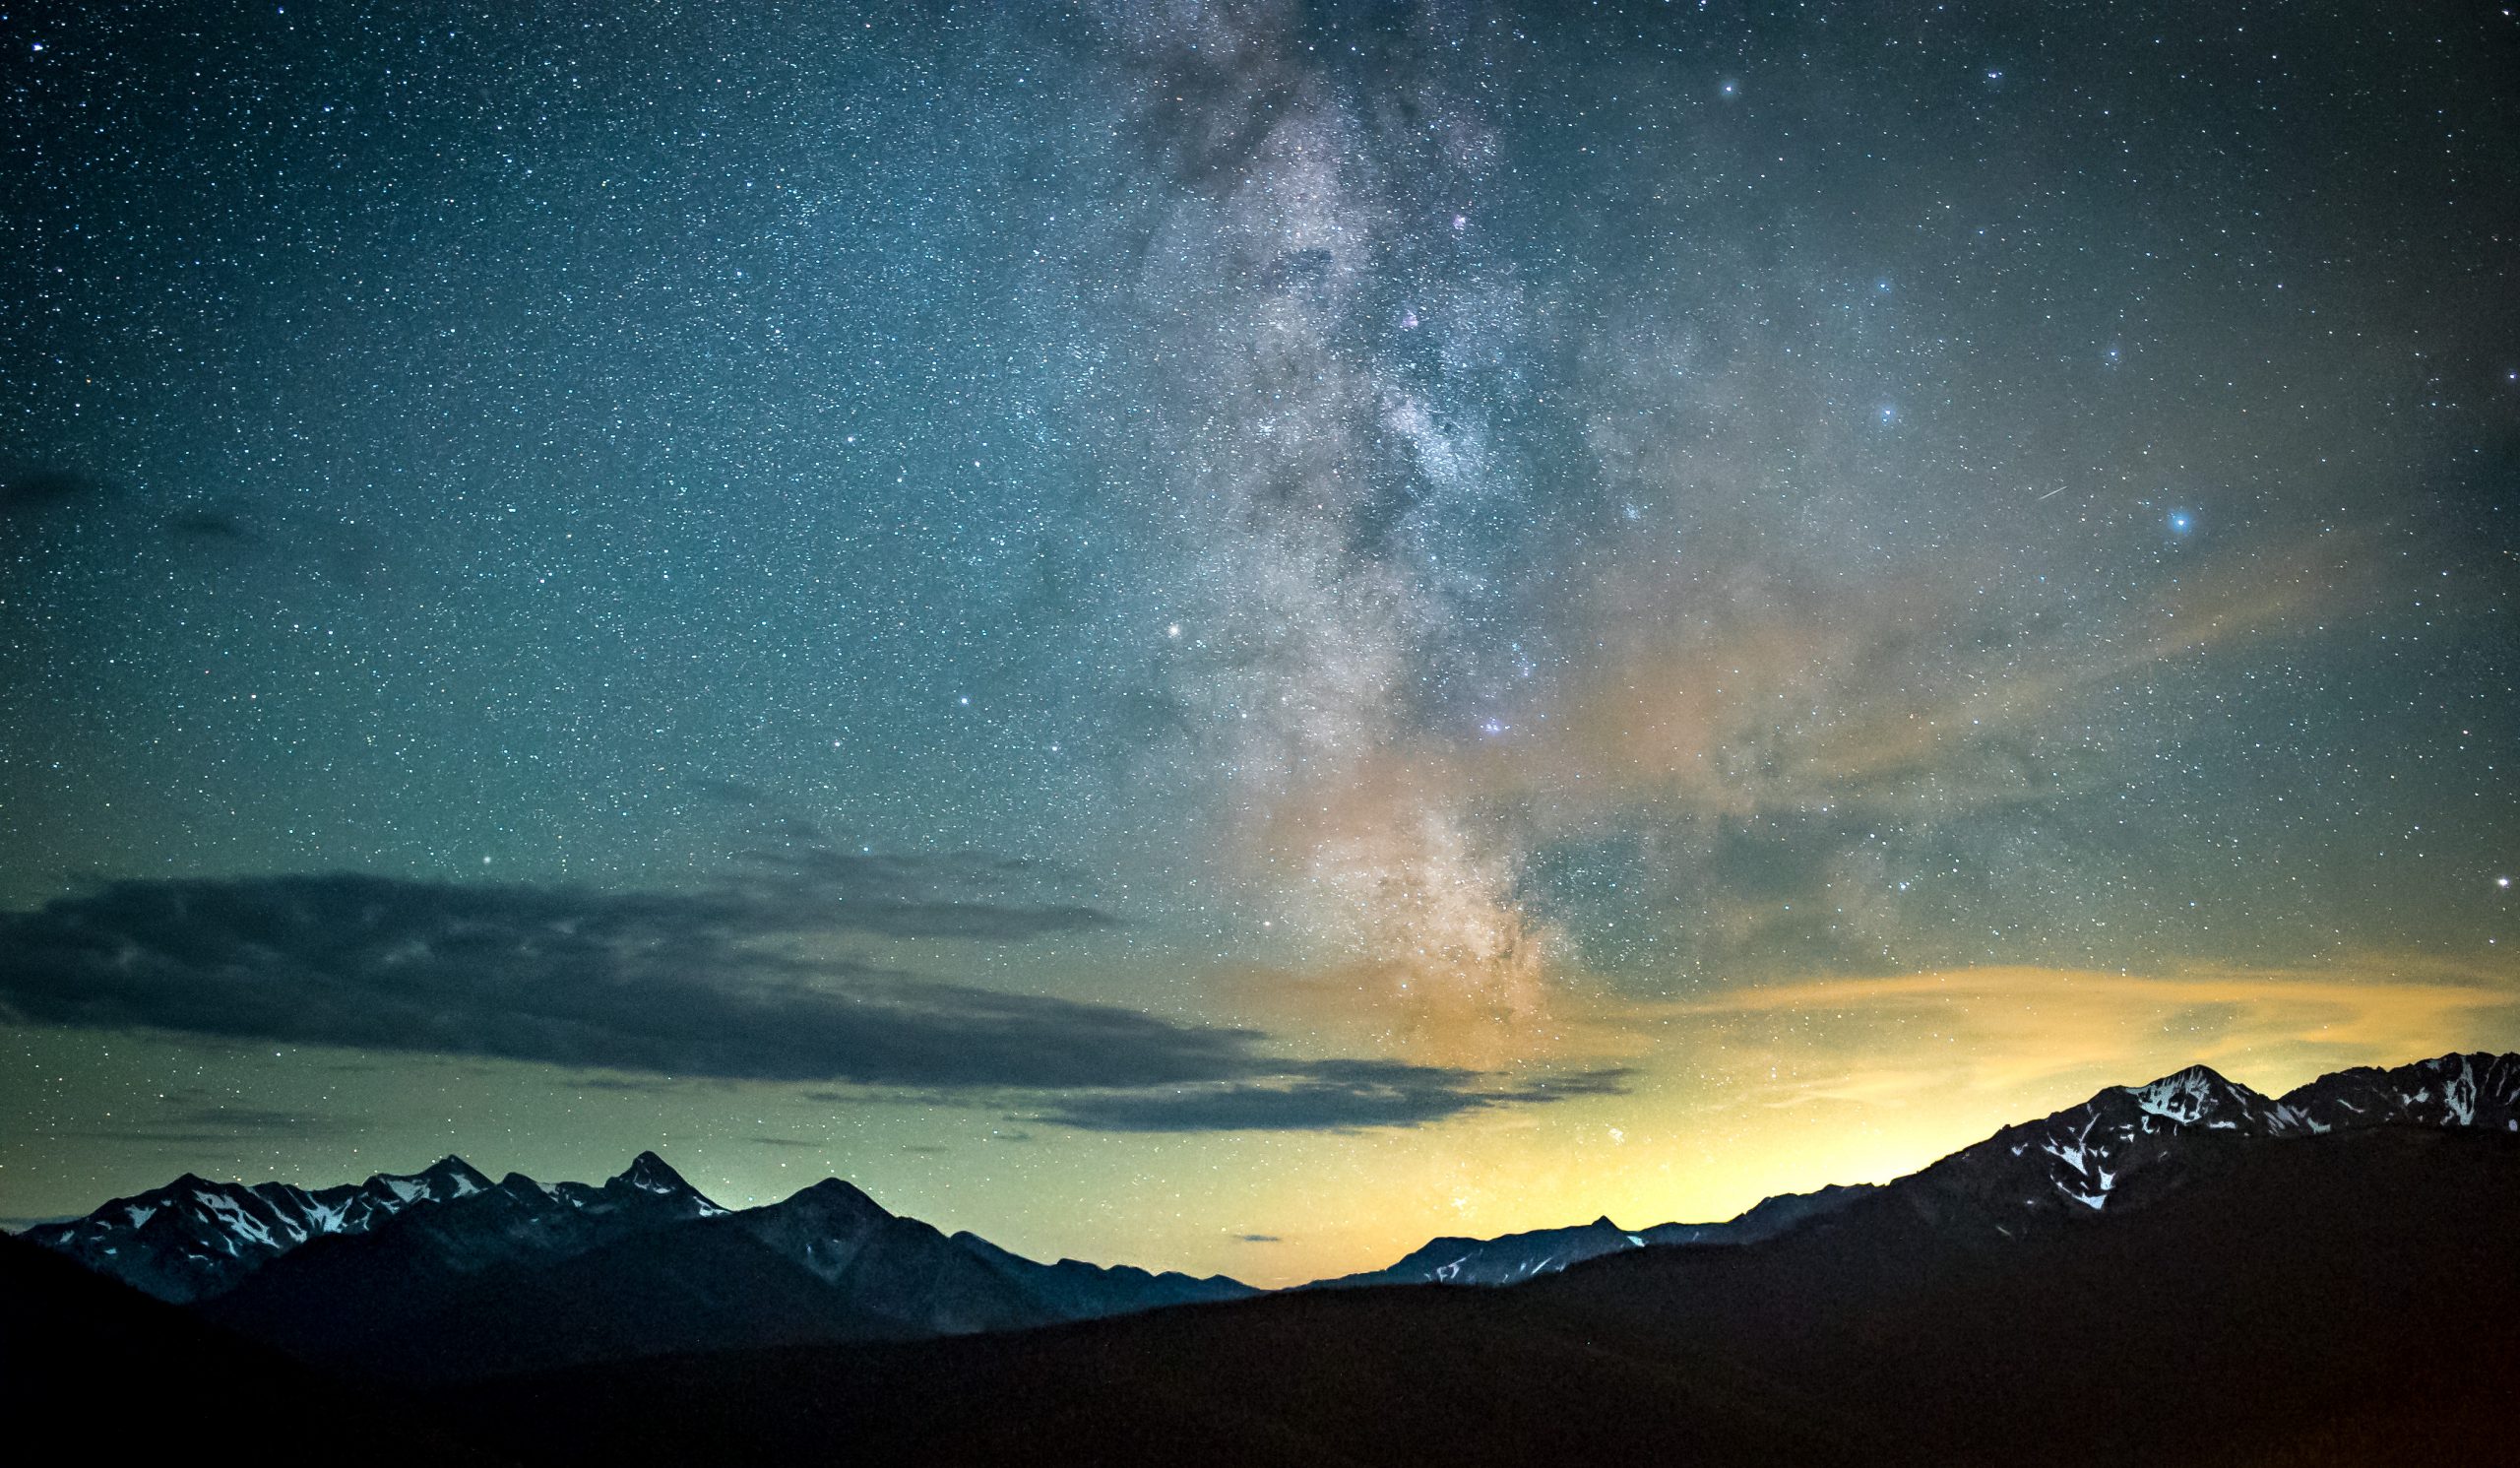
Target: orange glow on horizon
1788 1086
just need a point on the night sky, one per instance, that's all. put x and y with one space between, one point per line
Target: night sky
1230 636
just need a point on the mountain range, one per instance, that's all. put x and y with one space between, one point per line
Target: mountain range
193 1238
517 1275
2190 1241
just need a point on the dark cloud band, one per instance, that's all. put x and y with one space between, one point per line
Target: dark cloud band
672 984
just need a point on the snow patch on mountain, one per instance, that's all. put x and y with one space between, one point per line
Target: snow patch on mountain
194 1238
2085 1159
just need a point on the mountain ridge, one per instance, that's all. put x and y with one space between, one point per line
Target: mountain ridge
524 1276
192 1237
2127 1144
412 1274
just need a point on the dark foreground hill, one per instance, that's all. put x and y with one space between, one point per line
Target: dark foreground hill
94 1372
2325 1298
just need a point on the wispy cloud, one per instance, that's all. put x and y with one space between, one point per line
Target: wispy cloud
960 895
1328 1096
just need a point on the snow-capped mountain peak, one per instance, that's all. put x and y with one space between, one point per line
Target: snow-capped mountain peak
2081 1158
444 1180
649 1186
194 1237
651 1174
2477 1090
2197 1095
2084 1159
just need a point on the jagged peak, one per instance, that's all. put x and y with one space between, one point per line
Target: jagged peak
2199 1074
154 1201
650 1173
454 1169
2454 1061
2191 1094
1603 1222
450 1176
2478 1058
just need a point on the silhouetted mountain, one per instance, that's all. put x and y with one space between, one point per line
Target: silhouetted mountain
2084 1158
2337 1298
521 1276
1512 1258
2130 1144
1073 1290
705 1285
193 1238
2115 1150
899 1269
